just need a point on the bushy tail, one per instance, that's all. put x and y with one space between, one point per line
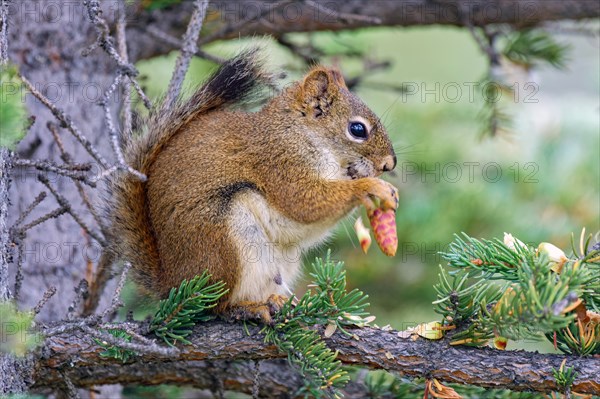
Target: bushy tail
131 231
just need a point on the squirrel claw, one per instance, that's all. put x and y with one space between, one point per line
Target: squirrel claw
262 311
275 303
386 193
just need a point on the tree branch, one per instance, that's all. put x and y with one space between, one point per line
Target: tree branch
78 356
6 164
188 49
3 32
231 19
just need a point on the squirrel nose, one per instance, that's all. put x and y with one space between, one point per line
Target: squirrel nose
389 163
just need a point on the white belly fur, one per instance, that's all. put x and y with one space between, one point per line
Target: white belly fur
269 244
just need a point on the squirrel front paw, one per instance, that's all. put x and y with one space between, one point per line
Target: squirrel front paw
263 311
384 191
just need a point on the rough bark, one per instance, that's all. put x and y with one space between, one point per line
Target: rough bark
225 17
5 167
77 356
16 372
46 40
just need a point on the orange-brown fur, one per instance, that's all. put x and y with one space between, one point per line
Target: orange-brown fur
215 174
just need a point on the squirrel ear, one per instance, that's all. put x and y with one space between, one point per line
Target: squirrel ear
319 88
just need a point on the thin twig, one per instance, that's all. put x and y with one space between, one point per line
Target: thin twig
18 241
130 328
241 23
67 326
188 49
66 122
121 34
62 201
72 171
104 40
487 47
176 43
309 54
114 135
50 166
47 295
3 32
81 291
66 157
6 157
140 93
342 16
50 215
71 391
116 299
154 349
256 381
38 200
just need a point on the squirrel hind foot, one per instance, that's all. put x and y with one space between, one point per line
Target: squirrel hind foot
261 311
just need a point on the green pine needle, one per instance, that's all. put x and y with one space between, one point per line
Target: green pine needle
113 351
565 377
326 303
513 292
186 305
532 47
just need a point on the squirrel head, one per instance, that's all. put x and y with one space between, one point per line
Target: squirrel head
339 123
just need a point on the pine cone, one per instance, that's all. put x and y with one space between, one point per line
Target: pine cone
384 229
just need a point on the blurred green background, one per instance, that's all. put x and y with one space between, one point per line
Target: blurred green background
539 181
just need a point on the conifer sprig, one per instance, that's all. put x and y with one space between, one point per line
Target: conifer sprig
531 47
186 305
115 351
326 304
512 290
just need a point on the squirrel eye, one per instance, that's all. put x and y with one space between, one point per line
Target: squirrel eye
358 130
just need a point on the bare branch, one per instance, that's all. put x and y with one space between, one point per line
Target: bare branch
66 157
62 201
3 32
19 272
140 93
377 349
121 33
50 215
81 291
485 43
38 200
73 171
114 136
104 40
66 122
5 169
47 295
342 16
116 300
244 22
188 49
70 390
276 19
152 350
256 382
121 57
176 43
